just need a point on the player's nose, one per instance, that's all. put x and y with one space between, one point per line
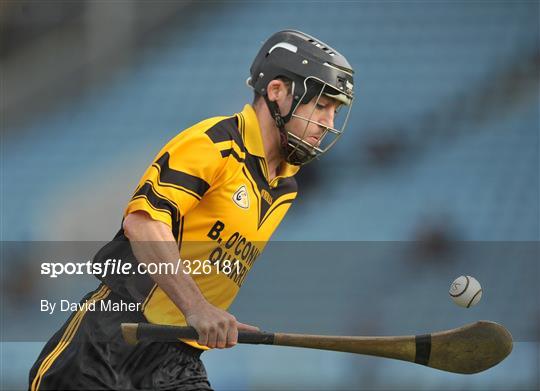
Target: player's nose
328 118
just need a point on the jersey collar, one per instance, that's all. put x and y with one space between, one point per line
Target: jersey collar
251 133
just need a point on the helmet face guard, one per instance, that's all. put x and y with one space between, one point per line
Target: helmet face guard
298 150
315 69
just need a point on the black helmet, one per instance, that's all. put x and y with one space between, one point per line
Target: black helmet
314 69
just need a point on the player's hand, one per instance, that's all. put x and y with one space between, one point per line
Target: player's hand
216 328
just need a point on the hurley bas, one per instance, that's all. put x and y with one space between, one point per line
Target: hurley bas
101 305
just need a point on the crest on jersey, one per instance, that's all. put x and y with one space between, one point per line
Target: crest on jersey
240 197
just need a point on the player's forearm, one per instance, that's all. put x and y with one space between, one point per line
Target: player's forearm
180 288
152 241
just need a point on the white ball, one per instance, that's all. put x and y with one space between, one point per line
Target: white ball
466 291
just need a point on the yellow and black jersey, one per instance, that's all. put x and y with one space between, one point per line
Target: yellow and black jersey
210 185
217 165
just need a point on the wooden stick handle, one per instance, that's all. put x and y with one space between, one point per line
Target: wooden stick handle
134 332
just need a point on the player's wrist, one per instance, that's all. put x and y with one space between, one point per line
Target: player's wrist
194 306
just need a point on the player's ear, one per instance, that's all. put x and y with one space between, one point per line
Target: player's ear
277 90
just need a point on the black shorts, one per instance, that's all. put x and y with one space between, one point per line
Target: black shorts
89 353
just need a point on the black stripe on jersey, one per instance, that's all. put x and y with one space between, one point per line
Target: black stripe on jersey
256 190
180 236
274 207
264 166
158 202
226 130
176 229
242 125
285 185
149 297
174 178
227 152
162 204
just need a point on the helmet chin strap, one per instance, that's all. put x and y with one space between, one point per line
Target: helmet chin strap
280 122
292 148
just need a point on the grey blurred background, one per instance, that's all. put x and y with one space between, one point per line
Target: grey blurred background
442 149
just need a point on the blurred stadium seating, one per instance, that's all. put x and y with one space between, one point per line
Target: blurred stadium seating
443 142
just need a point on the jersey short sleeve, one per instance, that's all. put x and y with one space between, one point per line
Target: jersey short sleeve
183 171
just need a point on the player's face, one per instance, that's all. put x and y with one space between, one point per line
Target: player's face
320 112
